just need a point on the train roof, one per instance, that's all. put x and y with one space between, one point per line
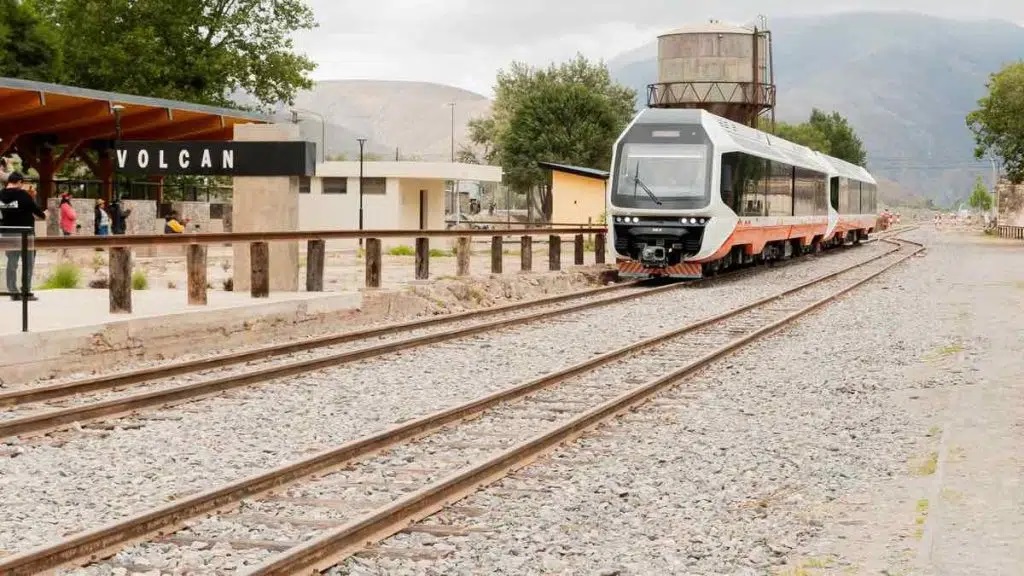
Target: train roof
738 137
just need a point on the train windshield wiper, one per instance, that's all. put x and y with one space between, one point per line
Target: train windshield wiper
637 180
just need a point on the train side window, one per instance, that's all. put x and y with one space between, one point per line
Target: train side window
728 189
834 185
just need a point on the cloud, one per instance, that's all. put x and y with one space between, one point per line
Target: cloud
465 42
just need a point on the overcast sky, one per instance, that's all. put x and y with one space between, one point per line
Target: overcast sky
464 42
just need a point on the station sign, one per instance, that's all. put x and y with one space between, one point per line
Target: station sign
215 158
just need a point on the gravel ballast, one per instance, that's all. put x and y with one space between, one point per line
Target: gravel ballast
742 469
96 477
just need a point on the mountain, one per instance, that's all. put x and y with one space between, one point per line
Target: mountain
905 82
413 118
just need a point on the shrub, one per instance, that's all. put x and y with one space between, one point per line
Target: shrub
139 280
64 276
229 285
402 251
102 282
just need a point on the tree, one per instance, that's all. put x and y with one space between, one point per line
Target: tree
827 133
804 134
29 44
998 123
980 199
194 50
569 113
843 141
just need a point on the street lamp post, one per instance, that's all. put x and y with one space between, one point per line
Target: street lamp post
323 130
362 141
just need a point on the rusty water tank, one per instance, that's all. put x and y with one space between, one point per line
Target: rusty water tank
721 68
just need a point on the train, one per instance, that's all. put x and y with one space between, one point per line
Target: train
691 194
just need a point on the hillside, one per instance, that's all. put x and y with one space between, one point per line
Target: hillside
413 117
905 81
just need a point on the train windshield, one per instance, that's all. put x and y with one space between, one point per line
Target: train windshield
660 173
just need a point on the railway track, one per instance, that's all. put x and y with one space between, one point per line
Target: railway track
313 513
41 409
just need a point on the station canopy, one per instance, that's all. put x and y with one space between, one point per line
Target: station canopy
68 116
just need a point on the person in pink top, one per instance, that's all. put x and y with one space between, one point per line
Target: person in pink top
68 217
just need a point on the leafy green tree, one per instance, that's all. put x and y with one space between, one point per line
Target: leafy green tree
998 123
827 133
980 198
568 113
194 50
29 44
804 134
843 140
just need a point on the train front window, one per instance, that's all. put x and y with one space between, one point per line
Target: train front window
666 172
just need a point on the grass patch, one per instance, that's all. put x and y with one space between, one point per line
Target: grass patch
921 518
64 276
402 250
934 431
925 466
438 253
139 280
805 566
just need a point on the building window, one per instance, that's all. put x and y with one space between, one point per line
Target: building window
374 186
303 185
335 185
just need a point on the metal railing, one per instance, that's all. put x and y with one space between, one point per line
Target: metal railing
120 260
1015 232
17 245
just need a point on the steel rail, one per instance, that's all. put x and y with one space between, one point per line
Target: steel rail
48 421
327 550
166 370
54 419
107 540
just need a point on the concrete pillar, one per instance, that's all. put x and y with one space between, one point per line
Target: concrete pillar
264 204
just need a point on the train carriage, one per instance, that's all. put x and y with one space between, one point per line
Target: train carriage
692 193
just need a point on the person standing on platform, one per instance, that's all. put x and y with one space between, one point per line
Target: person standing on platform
18 209
68 216
118 216
102 224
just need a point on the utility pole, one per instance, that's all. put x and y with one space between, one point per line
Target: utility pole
362 141
117 108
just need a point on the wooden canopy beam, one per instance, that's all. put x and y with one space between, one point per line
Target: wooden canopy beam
107 128
181 130
50 123
22 102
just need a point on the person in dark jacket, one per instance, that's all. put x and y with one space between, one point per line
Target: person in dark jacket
18 209
118 216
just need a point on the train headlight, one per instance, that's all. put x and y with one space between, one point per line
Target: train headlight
635 219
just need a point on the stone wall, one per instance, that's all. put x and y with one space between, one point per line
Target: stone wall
84 209
143 219
1010 203
198 214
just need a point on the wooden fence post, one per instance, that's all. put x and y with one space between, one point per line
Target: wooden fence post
554 253
599 248
259 262
196 264
462 251
526 253
496 254
316 255
422 258
120 280
373 262
579 250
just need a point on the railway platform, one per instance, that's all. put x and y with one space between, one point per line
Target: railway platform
77 324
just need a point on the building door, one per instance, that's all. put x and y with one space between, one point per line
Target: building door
423 209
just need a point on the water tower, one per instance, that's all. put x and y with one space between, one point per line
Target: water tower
726 70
